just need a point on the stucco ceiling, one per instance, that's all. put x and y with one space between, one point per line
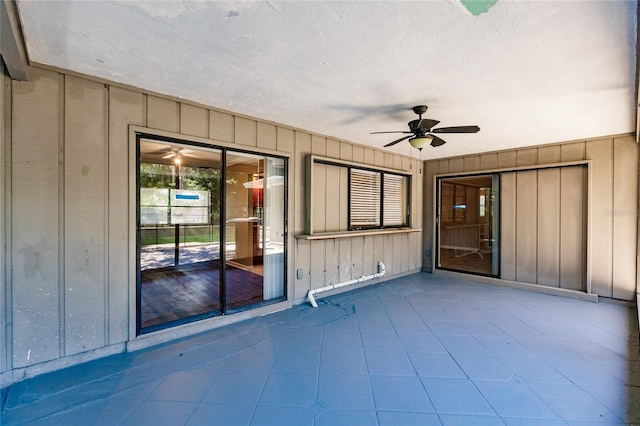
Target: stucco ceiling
526 72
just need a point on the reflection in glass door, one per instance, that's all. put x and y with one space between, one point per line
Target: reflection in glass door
179 232
254 191
185 193
468 224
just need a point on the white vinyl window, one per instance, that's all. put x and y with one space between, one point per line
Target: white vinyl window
377 199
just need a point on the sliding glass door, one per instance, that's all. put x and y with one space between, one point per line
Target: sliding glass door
468 224
211 232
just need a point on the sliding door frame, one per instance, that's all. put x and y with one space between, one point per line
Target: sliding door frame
136 134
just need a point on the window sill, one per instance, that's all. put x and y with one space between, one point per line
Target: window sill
348 234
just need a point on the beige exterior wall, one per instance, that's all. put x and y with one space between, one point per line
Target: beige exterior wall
69 264
543 225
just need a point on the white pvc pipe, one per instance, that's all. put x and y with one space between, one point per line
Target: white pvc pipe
312 293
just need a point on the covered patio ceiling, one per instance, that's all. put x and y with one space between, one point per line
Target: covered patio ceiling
526 72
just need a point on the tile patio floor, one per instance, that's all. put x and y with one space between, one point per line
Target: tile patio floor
418 350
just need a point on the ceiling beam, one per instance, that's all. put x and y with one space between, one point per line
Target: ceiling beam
12 47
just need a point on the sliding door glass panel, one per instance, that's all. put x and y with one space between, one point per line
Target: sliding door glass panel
179 233
274 228
468 224
255 211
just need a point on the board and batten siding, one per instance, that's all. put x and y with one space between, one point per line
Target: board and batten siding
550 214
69 263
335 260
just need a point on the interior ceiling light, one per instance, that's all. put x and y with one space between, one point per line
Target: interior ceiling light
420 142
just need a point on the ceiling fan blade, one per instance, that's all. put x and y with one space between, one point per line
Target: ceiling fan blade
425 124
457 129
397 131
171 154
399 140
436 142
165 148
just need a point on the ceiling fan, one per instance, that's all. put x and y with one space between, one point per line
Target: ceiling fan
421 132
169 151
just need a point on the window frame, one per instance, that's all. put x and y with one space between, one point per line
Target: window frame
381 171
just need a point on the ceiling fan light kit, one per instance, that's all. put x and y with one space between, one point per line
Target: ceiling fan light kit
420 142
421 132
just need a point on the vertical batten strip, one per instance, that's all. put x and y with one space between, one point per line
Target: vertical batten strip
105 213
6 328
61 215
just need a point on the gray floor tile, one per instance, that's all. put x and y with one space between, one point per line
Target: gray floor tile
308 337
395 418
436 365
375 324
623 400
572 403
381 341
504 345
520 421
396 313
435 314
465 315
348 391
291 389
420 342
187 386
447 328
485 367
349 361
277 416
346 418
221 414
297 359
482 328
346 339
390 363
582 372
400 394
466 420
545 347
514 399
115 410
456 396
237 387
463 345
532 370
410 326
159 413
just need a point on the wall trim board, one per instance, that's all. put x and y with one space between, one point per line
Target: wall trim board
537 288
350 234
516 169
526 147
334 161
